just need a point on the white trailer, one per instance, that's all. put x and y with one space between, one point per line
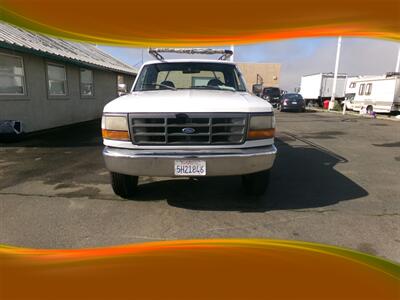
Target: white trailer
316 88
379 93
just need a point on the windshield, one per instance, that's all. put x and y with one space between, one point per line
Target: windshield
190 75
350 96
274 92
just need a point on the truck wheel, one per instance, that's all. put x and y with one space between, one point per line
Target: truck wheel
256 184
369 109
124 185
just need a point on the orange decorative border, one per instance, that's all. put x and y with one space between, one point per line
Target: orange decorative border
198 269
179 23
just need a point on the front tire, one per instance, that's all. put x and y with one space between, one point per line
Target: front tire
256 184
123 185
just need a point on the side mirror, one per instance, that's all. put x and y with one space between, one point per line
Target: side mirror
122 89
257 89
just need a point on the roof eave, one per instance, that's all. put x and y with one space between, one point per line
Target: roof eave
63 58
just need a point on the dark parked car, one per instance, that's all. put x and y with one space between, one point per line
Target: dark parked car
272 95
293 102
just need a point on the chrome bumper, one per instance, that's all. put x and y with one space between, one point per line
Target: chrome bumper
219 162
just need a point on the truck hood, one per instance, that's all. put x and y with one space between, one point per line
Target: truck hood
188 101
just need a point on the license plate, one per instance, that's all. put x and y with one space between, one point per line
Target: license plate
190 168
294 102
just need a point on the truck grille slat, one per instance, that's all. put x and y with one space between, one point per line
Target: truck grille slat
149 134
192 135
148 125
228 133
189 125
188 129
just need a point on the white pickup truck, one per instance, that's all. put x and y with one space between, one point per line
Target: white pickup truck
188 118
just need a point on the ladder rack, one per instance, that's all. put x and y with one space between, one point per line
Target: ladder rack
225 54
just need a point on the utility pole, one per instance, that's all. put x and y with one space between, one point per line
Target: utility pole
339 45
397 69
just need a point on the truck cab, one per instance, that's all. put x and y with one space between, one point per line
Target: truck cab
190 118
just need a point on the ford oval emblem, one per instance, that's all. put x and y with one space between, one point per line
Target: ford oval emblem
188 130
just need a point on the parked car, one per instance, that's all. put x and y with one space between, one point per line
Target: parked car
189 118
272 95
291 101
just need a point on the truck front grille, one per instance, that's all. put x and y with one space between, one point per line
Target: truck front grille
188 129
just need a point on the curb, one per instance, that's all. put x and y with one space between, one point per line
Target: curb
351 113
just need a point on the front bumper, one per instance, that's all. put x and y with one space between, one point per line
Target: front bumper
219 162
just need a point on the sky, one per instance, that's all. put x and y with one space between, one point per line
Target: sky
359 56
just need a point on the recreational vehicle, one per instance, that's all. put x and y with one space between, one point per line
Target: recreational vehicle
351 90
316 88
379 93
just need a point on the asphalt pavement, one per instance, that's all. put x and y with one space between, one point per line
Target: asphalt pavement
335 181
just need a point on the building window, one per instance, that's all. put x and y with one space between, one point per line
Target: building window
361 89
12 79
120 79
57 80
122 88
87 88
368 89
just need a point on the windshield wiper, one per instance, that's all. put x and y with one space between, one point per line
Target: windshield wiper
215 87
227 87
160 84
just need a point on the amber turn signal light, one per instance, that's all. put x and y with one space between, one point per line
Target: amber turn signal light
261 134
115 135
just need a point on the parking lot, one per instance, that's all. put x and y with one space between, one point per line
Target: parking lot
335 181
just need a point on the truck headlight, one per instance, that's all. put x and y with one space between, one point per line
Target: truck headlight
261 127
115 127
